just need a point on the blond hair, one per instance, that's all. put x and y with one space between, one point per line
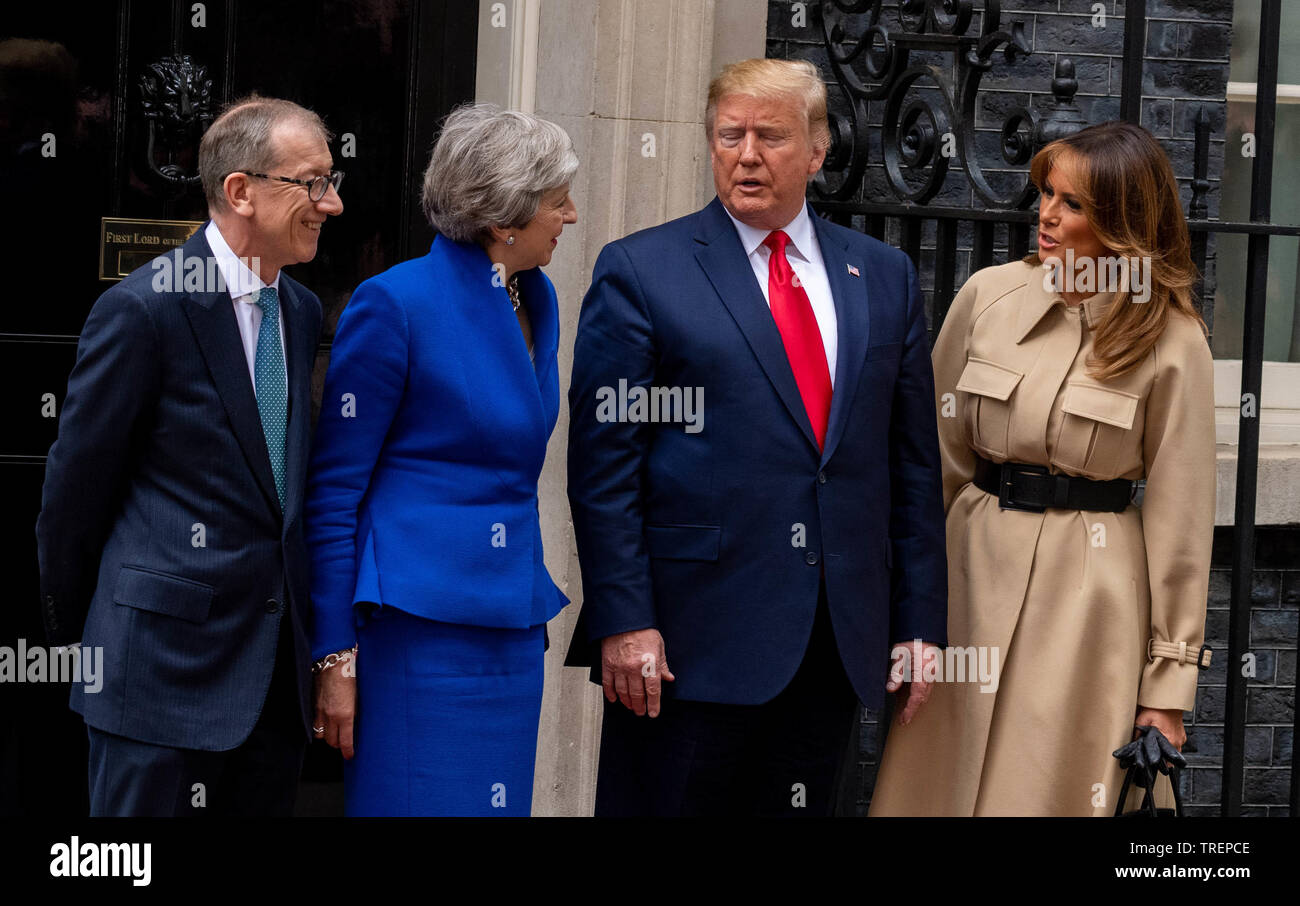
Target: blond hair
1126 187
771 79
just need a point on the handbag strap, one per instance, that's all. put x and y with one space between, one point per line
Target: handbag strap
1174 776
1148 792
1123 792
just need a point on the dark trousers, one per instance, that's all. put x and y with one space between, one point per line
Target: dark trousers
701 758
129 778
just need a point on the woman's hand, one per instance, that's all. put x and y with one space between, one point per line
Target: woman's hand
1168 721
336 706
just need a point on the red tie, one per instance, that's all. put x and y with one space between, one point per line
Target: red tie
803 340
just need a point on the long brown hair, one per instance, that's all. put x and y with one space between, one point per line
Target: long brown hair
1126 187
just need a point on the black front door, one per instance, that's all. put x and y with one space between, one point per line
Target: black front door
101 110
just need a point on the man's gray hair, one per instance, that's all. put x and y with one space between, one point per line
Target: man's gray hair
240 139
490 167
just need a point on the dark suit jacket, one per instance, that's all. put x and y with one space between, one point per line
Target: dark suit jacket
719 538
161 536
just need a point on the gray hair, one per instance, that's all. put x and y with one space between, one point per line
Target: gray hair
240 139
490 167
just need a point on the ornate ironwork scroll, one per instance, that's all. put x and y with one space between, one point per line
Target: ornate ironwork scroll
176 101
873 64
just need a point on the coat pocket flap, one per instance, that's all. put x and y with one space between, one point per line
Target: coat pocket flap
163 593
988 379
1101 404
683 542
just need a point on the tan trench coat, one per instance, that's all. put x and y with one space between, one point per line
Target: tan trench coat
1069 599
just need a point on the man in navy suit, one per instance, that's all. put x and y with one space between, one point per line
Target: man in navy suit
770 548
170 533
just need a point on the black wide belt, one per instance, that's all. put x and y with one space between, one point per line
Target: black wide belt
1020 486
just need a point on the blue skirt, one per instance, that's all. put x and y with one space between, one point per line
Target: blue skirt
446 718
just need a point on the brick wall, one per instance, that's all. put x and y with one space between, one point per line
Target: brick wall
1270 695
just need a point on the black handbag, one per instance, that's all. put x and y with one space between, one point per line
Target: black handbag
1146 757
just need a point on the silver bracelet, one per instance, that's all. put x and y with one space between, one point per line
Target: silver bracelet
330 660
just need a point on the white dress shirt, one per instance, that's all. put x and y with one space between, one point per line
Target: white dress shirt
244 284
805 257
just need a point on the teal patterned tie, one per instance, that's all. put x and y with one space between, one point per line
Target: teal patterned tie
269 384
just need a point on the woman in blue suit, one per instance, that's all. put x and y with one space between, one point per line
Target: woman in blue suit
429 594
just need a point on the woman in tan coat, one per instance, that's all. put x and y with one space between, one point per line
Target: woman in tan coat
1093 607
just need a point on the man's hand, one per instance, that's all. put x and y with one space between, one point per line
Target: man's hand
631 667
906 671
336 708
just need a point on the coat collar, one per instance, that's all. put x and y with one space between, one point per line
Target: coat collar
725 264
799 230
845 270
535 290
197 245
300 354
1040 298
467 275
722 256
217 334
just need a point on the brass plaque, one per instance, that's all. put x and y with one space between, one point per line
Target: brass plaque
126 244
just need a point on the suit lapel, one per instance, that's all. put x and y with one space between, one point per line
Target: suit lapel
544 316
725 264
299 353
488 306
212 318
849 293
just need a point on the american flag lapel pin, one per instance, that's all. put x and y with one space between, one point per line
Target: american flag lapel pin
854 271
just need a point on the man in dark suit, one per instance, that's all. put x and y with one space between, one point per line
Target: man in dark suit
170 533
772 549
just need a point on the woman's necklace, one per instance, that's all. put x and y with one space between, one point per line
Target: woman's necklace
512 289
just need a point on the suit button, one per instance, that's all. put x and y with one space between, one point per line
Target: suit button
821 477
272 605
810 558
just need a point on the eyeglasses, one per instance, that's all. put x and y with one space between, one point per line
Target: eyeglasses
316 187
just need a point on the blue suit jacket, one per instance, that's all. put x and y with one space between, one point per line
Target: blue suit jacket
718 538
422 492
160 526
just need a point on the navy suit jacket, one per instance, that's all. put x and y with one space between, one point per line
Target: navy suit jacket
718 538
161 537
432 435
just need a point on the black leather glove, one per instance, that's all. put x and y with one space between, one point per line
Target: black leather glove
1151 752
